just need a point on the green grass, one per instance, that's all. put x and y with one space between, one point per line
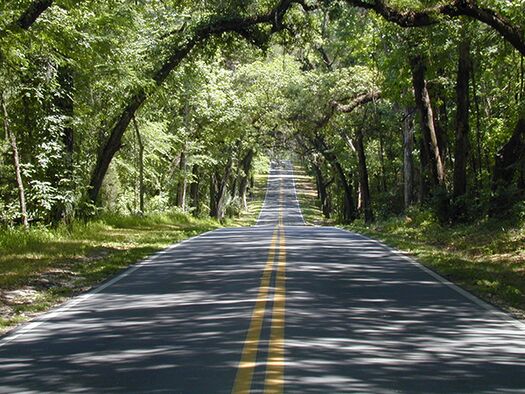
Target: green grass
486 258
43 267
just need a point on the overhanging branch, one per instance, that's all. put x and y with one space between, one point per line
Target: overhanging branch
356 102
430 16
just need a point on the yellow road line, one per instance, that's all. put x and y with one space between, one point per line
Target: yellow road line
281 200
243 379
274 382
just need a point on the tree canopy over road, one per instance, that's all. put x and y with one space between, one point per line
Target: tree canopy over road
141 106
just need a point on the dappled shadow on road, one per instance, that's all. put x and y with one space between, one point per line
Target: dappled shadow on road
177 324
360 319
281 198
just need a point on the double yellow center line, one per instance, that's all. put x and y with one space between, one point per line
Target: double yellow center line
274 379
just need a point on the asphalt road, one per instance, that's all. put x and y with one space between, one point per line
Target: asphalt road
278 307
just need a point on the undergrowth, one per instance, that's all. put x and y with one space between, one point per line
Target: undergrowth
44 266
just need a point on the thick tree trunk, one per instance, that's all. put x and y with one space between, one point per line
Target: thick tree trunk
141 166
462 121
112 145
363 177
16 163
218 190
322 191
424 107
506 163
408 160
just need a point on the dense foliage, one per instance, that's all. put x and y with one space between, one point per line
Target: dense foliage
142 106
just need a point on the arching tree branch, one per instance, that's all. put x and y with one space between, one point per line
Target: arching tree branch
512 33
196 36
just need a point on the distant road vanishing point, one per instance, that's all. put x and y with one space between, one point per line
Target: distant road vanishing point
277 307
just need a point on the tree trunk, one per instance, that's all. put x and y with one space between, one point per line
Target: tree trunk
462 121
213 195
141 166
221 195
16 163
506 163
182 185
30 15
194 190
422 99
382 162
112 145
424 174
479 137
322 191
349 210
408 161
246 166
364 188
218 190
363 191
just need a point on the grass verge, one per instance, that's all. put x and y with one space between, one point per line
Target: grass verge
487 258
44 267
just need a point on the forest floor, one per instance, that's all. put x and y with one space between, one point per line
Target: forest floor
487 257
44 267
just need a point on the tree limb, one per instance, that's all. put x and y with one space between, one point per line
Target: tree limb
430 16
197 35
30 15
356 102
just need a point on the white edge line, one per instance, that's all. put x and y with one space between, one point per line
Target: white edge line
296 198
485 305
39 320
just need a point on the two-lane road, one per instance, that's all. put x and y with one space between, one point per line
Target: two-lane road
278 307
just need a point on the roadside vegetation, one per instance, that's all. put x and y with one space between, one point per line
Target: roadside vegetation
486 257
45 266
